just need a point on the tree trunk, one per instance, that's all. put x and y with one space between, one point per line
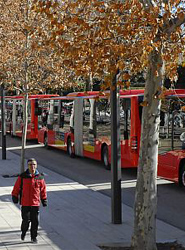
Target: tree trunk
89 83
25 100
144 235
25 120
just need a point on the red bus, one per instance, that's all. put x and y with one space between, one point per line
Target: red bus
171 159
80 124
14 114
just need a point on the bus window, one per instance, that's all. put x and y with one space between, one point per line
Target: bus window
8 115
71 119
125 118
53 115
56 112
43 116
38 109
89 125
103 118
65 110
140 100
29 111
19 112
172 124
86 118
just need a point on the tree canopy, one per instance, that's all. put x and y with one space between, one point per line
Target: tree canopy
24 65
99 37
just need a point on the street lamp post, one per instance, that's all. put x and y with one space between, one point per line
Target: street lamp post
3 127
115 155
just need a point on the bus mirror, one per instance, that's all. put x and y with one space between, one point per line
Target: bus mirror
38 111
182 137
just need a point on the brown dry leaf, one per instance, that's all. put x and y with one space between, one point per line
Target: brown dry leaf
144 104
126 76
183 108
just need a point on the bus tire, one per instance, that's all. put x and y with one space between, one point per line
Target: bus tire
46 141
182 175
105 158
70 148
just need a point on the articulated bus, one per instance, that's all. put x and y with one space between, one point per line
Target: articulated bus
36 111
79 123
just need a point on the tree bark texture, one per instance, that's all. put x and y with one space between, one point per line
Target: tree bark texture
144 235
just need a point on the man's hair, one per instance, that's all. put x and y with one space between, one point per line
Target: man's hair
31 160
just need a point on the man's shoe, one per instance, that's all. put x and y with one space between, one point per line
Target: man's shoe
34 240
23 236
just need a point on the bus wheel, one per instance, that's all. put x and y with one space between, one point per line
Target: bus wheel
46 141
70 148
105 158
182 176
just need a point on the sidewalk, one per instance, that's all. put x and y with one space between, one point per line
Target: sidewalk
77 217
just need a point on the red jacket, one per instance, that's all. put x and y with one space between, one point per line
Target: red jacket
33 189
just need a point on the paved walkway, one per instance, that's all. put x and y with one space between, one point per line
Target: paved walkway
77 217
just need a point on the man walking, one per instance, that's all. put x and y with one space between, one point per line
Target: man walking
30 189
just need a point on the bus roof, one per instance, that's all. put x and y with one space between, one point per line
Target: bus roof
45 96
99 94
124 92
129 93
104 93
175 92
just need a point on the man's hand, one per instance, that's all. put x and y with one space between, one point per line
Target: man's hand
15 199
44 203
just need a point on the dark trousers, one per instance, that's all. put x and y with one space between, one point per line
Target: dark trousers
30 214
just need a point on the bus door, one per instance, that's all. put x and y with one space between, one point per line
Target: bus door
34 113
53 124
42 112
58 122
130 130
96 127
57 126
102 127
125 127
8 115
19 117
89 129
62 122
32 129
